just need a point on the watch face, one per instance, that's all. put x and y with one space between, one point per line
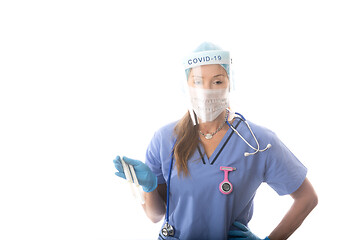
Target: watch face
226 187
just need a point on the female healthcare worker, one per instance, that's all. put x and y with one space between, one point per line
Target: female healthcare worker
203 171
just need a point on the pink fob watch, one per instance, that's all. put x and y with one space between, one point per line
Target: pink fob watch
225 186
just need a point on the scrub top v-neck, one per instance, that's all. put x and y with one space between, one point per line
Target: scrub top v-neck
197 208
215 155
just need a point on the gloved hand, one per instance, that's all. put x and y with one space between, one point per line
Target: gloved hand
145 176
243 233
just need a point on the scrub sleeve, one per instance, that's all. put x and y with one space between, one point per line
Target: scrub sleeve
283 171
153 157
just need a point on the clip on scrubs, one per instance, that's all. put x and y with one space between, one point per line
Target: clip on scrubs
132 180
225 186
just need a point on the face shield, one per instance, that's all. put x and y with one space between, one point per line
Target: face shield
208 84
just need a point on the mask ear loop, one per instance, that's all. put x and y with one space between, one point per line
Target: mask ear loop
193 117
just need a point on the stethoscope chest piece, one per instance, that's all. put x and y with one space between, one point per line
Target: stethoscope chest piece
167 230
225 186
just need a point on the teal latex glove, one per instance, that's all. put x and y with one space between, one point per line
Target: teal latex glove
243 233
145 176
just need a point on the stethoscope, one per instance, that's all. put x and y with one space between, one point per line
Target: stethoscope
225 186
257 149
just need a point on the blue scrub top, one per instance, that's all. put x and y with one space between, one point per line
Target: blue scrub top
198 210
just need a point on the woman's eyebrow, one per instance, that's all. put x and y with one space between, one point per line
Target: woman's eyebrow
219 75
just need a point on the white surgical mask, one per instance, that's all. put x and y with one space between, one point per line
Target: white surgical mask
208 104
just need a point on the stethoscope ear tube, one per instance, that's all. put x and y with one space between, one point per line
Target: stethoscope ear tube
257 149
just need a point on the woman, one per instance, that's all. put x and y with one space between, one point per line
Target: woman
216 161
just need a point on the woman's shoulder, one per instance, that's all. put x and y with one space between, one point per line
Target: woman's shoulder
168 128
262 131
166 132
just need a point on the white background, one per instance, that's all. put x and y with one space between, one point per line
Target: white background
84 81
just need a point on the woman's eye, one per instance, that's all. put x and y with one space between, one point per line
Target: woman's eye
197 81
218 82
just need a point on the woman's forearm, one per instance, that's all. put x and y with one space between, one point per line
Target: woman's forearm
305 200
292 220
155 205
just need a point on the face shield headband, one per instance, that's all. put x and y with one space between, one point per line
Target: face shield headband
208 57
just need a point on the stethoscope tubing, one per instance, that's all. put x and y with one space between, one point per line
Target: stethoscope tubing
168 184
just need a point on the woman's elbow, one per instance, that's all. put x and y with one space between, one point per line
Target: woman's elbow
313 201
310 202
155 215
155 219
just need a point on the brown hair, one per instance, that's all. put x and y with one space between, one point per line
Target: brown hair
187 142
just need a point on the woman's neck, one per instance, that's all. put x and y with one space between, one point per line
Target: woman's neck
209 127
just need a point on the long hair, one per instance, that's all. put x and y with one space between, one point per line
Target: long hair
187 142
